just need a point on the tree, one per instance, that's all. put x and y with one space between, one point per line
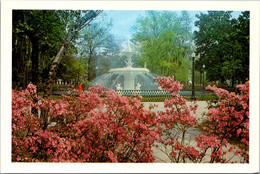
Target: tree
223 45
239 46
166 42
111 50
92 39
213 29
71 69
35 37
72 32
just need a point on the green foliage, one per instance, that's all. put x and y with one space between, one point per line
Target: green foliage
92 40
165 39
37 36
111 51
223 45
182 72
72 68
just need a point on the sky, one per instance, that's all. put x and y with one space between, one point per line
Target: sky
123 20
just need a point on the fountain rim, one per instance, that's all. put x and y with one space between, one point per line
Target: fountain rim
129 69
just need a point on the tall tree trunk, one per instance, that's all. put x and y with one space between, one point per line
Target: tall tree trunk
232 82
52 73
34 55
89 65
35 61
201 77
15 59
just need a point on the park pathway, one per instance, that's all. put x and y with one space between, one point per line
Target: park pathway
202 108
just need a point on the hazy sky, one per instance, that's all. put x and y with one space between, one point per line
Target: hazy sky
123 20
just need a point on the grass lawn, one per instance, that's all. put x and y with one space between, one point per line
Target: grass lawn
208 97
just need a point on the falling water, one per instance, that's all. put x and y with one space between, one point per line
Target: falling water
128 78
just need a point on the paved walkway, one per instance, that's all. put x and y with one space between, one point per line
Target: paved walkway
201 110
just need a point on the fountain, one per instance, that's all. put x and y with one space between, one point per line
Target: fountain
128 78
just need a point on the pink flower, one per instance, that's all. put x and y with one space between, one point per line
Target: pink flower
112 156
238 131
173 154
31 88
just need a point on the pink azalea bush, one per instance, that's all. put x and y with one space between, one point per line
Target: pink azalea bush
227 119
102 126
98 126
175 122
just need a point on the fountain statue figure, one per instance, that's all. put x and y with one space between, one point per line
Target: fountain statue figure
129 77
138 86
118 87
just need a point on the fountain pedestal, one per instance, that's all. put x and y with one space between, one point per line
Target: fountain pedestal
129 81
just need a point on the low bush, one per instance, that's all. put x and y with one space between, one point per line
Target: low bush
98 126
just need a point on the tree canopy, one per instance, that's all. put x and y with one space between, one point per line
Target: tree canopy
166 42
223 45
37 38
92 42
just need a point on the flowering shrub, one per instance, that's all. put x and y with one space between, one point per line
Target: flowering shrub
98 126
102 126
174 123
227 119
